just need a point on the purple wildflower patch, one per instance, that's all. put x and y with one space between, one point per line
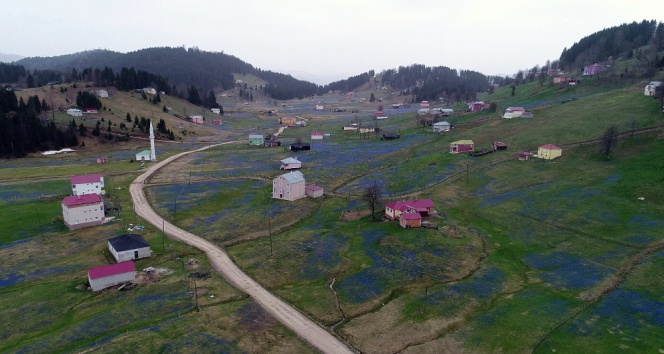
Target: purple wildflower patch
564 270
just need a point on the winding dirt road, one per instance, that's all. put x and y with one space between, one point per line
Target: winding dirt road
304 327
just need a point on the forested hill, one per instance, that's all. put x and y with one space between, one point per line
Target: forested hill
186 67
621 42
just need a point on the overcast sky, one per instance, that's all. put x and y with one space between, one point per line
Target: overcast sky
323 41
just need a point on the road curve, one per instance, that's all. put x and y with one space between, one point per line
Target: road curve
304 327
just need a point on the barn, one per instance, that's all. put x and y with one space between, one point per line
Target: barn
101 278
129 247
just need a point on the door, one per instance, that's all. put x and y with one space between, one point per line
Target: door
135 254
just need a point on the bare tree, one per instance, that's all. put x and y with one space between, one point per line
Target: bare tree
609 140
372 197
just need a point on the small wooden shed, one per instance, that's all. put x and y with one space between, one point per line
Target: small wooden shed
314 191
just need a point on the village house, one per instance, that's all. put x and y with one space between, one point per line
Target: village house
461 146
593 69
102 93
561 79
423 207
476 106
80 211
514 112
91 110
441 126
288 120
524 156
217 121
128 247
549 152
320 107
150 90
424 105
144 155
216 110
75 112
289 186
290 164
317 135
87 184
102 160
651 88
196 119
314 191
104 277
256 139
410 220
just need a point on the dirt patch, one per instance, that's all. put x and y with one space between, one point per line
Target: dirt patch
144 278
202 291
354 215
494 123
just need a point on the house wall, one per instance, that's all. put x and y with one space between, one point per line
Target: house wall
410 223
460 148
129 255
105 282
83 216
314 194
87 188
283 189
548 154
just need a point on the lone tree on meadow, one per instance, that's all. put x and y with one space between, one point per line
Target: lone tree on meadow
372 197
609 140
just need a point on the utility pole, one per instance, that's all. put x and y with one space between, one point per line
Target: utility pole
198 309
41 228
269 227
163 235
466 172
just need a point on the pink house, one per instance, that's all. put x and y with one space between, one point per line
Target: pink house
196 119
421 207
317 135
289 186
424 105
290 164
217 121
461 146
476 106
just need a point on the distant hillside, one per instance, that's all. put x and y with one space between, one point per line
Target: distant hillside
6 58
621 42
185 67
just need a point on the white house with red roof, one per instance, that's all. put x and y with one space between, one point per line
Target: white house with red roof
423 207
289 186
101 278
290 163
87 184
410 220
79 211
317 135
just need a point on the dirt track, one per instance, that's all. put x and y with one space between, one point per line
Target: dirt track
304 327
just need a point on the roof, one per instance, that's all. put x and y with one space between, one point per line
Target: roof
441 123
127 242
411 216
513 109
74 200
313 187
463 142
145 152
291 160
110 270
418 204
81 179
293 177
316 133
256 136
550 147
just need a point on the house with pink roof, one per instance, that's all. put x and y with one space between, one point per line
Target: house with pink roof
104 277
87 184
410 220
317 135
423 207
289 186
79 211
314 191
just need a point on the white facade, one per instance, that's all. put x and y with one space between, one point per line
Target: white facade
216 110
441 127
128 247
74 112
78 216
289 186
105 282
82 186
102 93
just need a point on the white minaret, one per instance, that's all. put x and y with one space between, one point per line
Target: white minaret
153 155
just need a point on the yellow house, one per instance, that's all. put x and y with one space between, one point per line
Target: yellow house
549 152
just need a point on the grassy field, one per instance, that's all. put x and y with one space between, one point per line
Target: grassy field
533 256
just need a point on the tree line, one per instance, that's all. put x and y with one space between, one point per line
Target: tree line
22 131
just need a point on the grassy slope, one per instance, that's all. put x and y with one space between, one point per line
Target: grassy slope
555 234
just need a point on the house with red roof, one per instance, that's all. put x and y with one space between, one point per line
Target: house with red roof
87 184
91 110
314 191
410 220
317 135
104 277
423 207
549 152
79 211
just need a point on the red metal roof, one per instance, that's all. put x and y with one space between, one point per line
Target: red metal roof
516 109
74 200
550 147
313 187
81 179
419 204
411 216
110 270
